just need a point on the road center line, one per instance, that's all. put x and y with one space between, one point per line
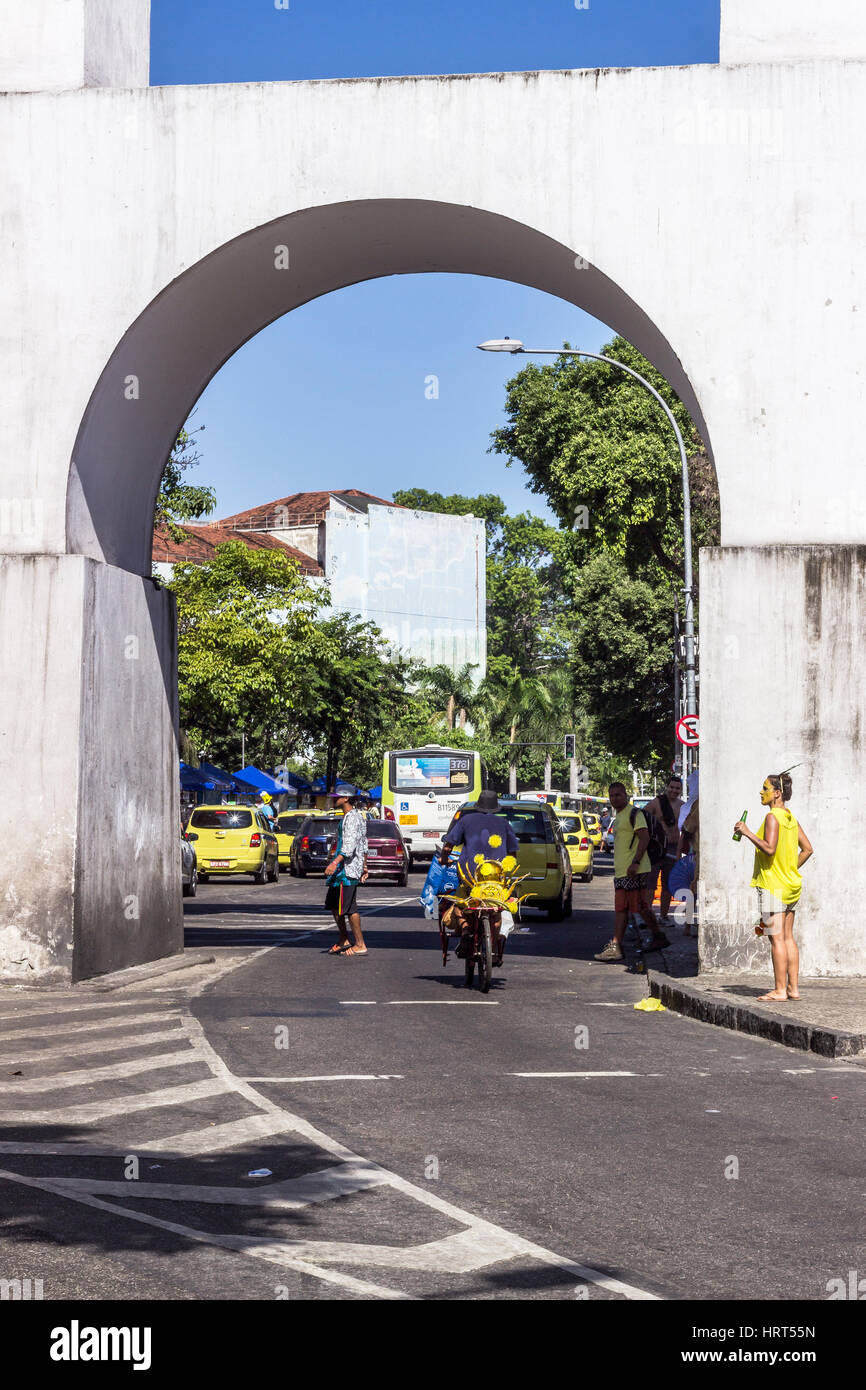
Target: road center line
575 1073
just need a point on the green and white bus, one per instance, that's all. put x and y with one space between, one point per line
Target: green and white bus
423 787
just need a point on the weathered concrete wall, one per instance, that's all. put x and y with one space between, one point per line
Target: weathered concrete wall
55 44
129 889
41 603
782 641
767 31
89 817
719 210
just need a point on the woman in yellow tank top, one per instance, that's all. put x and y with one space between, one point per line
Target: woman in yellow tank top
781 849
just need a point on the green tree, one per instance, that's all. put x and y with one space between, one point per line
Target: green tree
594 442
177 499
622 659
247 636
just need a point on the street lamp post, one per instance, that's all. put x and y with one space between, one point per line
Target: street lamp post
514 345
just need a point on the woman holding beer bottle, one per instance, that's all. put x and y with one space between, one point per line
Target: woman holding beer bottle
781 849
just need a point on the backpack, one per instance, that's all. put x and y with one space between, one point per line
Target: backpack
657 847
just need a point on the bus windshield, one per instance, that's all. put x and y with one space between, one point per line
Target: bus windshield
423 787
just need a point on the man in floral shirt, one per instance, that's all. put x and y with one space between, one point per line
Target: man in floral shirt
346 870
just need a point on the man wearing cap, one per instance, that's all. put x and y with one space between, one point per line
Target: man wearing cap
478 830
346 870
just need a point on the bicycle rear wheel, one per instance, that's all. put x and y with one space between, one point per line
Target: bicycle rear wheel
485 946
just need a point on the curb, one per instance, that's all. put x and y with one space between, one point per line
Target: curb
724 1012
119 979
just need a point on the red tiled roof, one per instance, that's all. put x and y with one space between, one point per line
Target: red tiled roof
297 508
200 542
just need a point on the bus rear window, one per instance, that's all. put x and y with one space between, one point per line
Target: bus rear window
438 772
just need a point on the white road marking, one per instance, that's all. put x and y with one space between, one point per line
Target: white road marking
289 1195
52 1030
356 1001
274 1253
91 1075
119 1105
100 1045
487 1003
573 1073
346 1076
217 1138
55 1011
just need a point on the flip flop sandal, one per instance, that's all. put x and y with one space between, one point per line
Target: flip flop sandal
353 951
337 949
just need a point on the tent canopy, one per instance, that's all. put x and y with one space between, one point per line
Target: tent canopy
225 781
263 782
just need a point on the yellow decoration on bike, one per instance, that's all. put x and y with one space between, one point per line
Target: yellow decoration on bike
509 863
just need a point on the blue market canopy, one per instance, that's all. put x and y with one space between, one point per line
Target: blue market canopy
263 782
192 780
225 781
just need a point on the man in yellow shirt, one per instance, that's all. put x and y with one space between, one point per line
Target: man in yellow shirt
632 875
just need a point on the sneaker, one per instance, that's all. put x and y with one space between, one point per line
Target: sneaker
657 942
611 952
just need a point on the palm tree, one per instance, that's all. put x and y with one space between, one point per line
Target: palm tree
523 704
455 691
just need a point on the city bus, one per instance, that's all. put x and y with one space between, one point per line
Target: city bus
423 787
563 803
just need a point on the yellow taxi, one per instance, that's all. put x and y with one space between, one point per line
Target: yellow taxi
233 840
579 846
593 829
542 856
285 830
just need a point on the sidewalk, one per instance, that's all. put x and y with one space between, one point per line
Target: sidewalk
829 1019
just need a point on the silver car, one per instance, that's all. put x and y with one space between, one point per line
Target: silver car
188 868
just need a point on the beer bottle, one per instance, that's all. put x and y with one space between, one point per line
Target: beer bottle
737 835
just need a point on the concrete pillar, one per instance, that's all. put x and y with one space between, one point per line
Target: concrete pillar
783 681
55 45
90 816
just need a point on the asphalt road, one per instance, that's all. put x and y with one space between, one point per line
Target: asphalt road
546 1141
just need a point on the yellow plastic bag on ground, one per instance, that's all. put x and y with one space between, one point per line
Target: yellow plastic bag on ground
651 1006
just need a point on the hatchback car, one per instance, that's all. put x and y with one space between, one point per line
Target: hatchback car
593 828
233 840
188 867
542 855
314 844
579 846
284 830
387 854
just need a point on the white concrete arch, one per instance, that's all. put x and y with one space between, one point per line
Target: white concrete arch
196 323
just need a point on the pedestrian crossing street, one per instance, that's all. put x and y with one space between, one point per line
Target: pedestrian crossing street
125 1108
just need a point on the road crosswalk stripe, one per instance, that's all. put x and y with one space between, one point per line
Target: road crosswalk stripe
117 1105
292 1193
90 1075
94 1026
100 1045
215 1138
55 1011
275 1253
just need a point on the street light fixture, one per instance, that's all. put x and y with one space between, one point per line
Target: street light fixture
514 345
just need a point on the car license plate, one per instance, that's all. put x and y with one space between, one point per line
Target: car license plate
431 834
218 864
408 820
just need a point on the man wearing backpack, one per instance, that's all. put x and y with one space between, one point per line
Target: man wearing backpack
632 875
662 816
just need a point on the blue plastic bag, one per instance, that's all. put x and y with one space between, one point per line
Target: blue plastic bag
441 878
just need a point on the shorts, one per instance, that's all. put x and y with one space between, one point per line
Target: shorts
340 898
769 904
630 894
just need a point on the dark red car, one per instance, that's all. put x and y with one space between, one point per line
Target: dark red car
387 855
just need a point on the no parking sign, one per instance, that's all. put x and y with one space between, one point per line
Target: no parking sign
687 730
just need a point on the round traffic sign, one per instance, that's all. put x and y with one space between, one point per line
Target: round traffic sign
687 730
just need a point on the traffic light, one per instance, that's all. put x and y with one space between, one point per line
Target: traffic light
568 748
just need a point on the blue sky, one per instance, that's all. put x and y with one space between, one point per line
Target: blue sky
299 407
